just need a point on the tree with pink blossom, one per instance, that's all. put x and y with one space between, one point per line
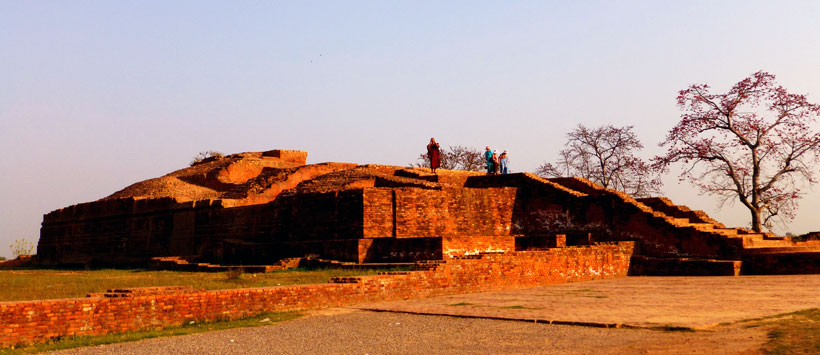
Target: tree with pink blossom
756 144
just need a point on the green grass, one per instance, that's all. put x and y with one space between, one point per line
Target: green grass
794 333
673 328
461 304
190 328
38 284
505 307
584 292
520 307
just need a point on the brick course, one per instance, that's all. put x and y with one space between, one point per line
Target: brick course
36 321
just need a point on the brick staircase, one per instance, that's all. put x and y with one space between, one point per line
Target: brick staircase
682 217
746 243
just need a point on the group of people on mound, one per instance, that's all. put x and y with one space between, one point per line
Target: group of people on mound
495 163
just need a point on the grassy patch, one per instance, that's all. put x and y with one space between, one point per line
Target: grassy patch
490 306
461 304
520 307
38 284
673 328
190 328
794 333
583 292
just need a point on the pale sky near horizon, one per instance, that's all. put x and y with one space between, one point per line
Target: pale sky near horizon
97 95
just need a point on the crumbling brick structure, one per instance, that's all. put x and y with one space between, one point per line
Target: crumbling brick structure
256 208
27 322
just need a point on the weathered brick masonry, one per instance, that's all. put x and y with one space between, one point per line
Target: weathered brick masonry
257 208
328 223
36 321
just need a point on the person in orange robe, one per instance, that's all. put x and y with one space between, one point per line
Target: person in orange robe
434 155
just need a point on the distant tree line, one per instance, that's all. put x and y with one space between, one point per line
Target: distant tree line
606 156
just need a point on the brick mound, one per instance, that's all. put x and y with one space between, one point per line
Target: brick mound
254 177
17 262
264 207
216 178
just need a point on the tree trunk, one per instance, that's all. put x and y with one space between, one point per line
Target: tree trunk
756 220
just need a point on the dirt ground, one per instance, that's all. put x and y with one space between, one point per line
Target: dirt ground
646 302
352 331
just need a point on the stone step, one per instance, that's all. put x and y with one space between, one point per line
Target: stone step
760 241
728 232
782 250
705 227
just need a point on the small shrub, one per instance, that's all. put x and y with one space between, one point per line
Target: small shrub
2 258
234 273
22 247
208 154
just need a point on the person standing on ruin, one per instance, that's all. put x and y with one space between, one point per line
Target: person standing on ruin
434 155
495 162
502 159
488 157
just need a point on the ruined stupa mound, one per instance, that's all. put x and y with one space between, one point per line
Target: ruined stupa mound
215 178
261 207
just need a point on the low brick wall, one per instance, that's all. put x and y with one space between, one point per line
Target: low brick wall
37 321
648 266
784 263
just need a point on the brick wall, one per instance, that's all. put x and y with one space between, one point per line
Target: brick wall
791 263
292 156
450 212
37 321
379 213
471 245
131 231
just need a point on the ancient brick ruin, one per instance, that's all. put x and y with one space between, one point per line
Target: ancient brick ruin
258 208
463 231
27 322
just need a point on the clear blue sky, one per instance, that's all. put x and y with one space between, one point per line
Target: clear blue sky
96 95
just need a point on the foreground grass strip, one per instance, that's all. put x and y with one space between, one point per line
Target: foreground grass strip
519 307
672 328
40 284
190 328
461 304
794 333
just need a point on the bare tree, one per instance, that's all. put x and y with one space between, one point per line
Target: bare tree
754 144
606 156
456 157
204 155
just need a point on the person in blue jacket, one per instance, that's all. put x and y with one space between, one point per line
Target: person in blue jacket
488 157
